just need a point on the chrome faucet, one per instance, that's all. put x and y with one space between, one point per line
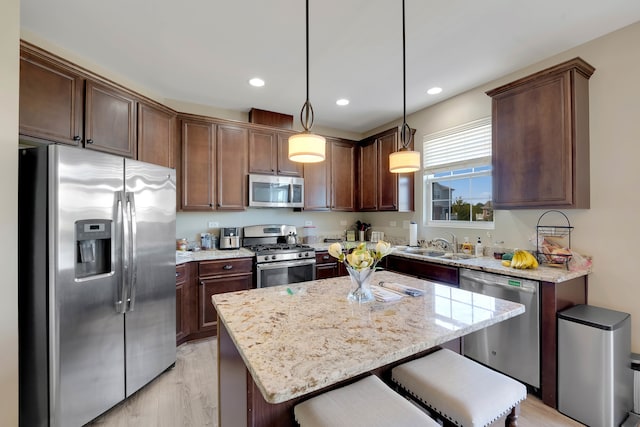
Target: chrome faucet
453 244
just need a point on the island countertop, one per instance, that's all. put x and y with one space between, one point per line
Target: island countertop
299 338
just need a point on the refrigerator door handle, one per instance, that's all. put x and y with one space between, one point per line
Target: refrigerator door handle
132 243
118 237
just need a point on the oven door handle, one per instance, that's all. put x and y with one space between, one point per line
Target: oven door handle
285 264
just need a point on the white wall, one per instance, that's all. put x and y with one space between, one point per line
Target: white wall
9 83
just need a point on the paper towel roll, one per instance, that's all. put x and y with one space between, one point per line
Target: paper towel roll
413 234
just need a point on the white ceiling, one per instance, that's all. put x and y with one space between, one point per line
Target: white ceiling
205 51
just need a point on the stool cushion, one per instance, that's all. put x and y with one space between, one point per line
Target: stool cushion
365 403
459 389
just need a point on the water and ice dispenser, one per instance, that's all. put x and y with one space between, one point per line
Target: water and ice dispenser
93 247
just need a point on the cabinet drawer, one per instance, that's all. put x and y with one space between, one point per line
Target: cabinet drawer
225 266
181 273
324 258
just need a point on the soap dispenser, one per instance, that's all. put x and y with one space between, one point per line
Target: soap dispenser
479 248
467 246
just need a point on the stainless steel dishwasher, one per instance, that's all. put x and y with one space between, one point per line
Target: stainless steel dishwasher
512 346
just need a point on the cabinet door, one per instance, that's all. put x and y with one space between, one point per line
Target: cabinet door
540 134
183 306
342 176
317 184
387 181
232 147
285 166
156 135
368 176
110 120
51 101
198 160
207 315
263 152
423 269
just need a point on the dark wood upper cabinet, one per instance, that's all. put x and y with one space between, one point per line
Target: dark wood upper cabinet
263 152
198 161
368 175
285 166
540 127
379 189
317 183
232 148
343 161
51 100
110 120
156 135
269 153
387 181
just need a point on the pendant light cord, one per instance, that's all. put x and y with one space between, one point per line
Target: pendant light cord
405 127
307 109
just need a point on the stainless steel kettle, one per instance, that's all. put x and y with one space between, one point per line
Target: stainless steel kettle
292 239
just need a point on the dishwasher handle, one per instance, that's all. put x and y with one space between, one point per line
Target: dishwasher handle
527 289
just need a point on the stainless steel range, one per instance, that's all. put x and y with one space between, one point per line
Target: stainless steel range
280 260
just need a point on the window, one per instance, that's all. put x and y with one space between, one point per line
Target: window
457 176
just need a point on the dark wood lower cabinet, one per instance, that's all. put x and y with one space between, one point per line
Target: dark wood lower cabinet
555 297
183 302
196 282
328 266
423 269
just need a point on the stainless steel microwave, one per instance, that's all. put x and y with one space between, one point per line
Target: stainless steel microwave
268 191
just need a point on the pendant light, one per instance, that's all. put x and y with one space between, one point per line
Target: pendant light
306 147
404 160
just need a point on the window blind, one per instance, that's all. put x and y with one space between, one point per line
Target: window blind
458 147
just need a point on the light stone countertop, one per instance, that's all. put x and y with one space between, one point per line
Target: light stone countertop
542 273
293 344
212 254
488 264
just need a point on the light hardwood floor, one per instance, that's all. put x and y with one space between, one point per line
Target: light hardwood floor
186 396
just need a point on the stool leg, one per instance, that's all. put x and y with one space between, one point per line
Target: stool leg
512 418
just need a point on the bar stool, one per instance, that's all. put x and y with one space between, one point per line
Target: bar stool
366 403
460 390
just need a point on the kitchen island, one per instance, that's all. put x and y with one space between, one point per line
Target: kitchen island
280 345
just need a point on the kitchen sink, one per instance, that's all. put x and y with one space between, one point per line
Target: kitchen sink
437 254
457 256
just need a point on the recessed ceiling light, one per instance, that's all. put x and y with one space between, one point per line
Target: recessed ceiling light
342 102
434 90
256 82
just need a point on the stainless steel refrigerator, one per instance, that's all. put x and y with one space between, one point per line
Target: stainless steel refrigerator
96 281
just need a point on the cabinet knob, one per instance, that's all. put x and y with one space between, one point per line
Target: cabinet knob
76 138
89 141
227 267
325 257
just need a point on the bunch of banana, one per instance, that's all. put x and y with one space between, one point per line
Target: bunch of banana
523 259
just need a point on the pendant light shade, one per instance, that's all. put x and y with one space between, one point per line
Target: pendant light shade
306 147
404 160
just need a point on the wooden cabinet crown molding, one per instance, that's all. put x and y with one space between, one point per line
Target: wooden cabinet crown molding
37 52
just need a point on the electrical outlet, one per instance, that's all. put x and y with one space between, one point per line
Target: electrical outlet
308 223
213 224
393 224
343 222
